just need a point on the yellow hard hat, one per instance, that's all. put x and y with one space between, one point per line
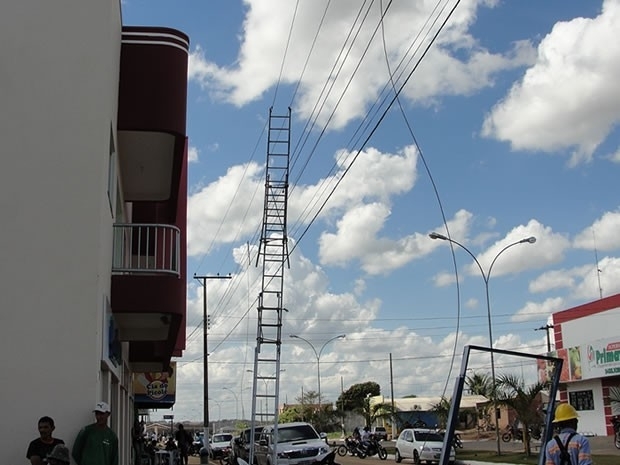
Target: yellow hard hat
564 412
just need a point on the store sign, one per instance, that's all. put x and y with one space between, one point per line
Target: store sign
596 359
156 388
603 358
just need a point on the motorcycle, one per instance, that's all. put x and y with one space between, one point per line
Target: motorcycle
194 449
456 441
349 447
511 433
370 448
615 421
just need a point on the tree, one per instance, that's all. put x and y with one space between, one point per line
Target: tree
307 409
511 392
480 384
441 409
354 398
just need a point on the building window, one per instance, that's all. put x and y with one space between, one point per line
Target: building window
112 184
581 400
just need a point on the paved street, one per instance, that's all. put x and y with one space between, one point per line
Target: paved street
603 445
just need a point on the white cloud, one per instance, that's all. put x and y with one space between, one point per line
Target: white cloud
192 154
554 279
456 65
548 249
570 98
538 311
602 235
471 303
226 209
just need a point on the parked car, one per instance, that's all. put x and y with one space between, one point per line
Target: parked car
380 433
421 445
220 445
298 443
241 443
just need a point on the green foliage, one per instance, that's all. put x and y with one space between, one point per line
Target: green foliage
354 398
511 392
442 409
480 384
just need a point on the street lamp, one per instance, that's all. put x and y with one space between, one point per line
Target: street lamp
265 380
236 401
219 407
318 358
486 276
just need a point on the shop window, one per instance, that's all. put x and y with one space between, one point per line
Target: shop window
581 400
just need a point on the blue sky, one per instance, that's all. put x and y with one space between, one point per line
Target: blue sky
515 110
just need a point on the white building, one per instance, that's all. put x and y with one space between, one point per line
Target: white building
93 183
587 338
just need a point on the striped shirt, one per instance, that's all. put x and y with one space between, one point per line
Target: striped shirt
578 448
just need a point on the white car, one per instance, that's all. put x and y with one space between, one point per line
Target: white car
298 444
421 445
220 445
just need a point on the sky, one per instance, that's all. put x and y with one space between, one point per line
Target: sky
488 121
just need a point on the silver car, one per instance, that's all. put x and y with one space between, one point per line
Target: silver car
421 445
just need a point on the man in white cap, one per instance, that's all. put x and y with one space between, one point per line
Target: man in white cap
96 444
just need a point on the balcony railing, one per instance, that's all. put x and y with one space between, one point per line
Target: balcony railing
146 248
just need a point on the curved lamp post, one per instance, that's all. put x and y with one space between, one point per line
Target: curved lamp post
486 276
318 358
236 401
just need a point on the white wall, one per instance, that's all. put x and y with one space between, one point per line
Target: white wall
59 81
580 332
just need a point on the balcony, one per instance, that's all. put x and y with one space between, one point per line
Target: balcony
148 291
146 249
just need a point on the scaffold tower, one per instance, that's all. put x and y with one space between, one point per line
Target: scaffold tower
273 251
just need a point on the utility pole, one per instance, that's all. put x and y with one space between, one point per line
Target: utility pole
394 429
205 351
546 328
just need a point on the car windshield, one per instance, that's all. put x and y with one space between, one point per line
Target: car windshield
297 433
222 437
420 436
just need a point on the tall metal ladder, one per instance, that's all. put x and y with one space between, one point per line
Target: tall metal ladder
273 249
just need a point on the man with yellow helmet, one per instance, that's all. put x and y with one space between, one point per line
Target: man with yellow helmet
567 439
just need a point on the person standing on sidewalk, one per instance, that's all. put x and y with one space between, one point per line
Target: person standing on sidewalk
96 444
43 445
567 440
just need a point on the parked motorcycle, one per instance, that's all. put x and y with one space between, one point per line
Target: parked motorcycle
349 447
370 448
511 433
456 441
615 421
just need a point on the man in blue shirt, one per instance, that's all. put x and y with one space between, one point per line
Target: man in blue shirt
577 446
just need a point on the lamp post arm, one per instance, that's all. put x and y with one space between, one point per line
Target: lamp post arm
485 276
501 252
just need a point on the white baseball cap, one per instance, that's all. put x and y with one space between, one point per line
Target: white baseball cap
102 407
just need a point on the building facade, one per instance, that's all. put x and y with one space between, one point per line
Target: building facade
94 192
587 338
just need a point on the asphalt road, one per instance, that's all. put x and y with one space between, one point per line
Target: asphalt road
603 445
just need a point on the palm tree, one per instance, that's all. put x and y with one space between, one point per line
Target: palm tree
480 384
442 410
512 393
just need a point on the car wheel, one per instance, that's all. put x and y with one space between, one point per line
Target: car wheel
397 457
416 457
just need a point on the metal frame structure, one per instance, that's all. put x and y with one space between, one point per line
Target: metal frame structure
458 393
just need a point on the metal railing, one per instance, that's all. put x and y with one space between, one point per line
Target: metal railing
146 248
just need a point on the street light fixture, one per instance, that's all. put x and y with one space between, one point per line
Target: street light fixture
486 276
318 358
236 401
